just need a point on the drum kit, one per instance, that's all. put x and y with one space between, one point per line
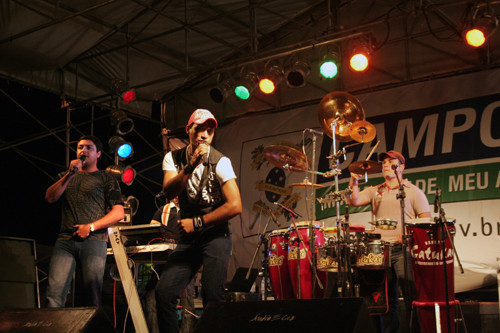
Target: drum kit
301 256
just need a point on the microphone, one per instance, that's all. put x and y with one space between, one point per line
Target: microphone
204 158
75 169
394 167
317 133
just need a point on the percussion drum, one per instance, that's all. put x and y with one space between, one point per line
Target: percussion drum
384 224
374 255
427 262
305 268
427 259
278 265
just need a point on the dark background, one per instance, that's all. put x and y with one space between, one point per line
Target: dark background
33 152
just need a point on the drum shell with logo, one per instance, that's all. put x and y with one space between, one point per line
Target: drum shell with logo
374 255
305 267
427 261
278 265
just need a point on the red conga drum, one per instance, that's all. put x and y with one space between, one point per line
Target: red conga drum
427 263
278 265
305 267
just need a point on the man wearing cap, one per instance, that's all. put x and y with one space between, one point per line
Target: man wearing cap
386 205
205 183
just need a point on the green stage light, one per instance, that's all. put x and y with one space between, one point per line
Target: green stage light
247 84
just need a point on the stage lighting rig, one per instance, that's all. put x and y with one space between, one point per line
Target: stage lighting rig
329 66
220 93
480 24
120 147
299 70
272 77
247 84
360 55
124 174
124 125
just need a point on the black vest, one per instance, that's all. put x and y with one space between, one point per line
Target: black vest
208 196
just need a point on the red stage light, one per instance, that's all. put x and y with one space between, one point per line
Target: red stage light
128 96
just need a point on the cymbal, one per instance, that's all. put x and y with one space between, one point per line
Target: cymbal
362 131
306 184
361 167
286 157
342 107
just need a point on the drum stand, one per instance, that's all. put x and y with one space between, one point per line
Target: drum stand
443 234
344 272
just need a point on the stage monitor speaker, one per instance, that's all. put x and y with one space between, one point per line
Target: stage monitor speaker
307 315
77 320
18 274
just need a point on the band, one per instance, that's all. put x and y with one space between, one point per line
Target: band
92 228
198 222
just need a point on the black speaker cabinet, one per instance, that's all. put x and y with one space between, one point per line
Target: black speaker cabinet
66 320
307 315
18 274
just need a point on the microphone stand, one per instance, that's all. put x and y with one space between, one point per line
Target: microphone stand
265 261
401 196
441 222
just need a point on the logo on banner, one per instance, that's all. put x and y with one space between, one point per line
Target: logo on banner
273 186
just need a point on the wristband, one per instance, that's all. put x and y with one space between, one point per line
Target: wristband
198 222
188 169
92 229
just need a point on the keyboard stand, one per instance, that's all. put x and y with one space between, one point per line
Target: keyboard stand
127 280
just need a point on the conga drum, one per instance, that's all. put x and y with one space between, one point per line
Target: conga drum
278 265
427 262
296 252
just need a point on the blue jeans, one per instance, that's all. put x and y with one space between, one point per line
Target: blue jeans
396 280
91 257
182 265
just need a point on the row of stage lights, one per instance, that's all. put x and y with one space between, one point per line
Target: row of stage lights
478 26
295 76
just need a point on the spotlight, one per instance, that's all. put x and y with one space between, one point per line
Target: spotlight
246 86
120 147
274 75
360 55
124 125
121 88
480 24
329 65
125 174
296 76
220 93
128 96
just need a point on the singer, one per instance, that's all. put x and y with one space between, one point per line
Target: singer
208 198
91 201
385 205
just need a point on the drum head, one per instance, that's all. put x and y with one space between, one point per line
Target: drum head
305 224
278 232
